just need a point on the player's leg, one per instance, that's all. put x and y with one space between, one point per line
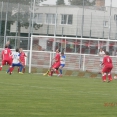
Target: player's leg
11 68
3 63
109 75
104 77
55 68
47 72
18 70
24 69
104 70
20 67
23 63
10 65
51 71
60 69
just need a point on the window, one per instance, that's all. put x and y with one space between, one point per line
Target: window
38 18
50 18
105 24
66 19
115 17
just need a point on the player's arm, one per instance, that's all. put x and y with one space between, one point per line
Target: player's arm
25 55
110 60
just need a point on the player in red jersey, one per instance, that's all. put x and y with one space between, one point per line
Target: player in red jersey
6 57
107 63
56 63
22 59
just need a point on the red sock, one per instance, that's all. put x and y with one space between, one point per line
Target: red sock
23 70
104 77
18 70
109 77
0 68
11 69
50 73
57 72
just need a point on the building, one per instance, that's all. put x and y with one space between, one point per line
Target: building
93 22
100 2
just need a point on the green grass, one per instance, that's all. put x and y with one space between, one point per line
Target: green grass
32 95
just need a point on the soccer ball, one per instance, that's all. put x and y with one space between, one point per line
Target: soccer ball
115 77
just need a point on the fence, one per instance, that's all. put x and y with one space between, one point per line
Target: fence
76 62
41 60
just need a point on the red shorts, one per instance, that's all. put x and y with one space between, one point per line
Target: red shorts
6 61
56 65
107 69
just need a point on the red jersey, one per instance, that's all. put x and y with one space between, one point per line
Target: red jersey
57 57
107 60
22 56
6 54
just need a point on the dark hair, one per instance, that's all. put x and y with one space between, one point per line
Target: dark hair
17 49
107 53
59 50
62 53
6 46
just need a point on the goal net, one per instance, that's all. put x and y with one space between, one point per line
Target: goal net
81 53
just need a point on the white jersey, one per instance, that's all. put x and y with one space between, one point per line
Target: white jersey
15 57
101 54
62 59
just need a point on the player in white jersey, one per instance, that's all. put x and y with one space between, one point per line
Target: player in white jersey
101 54
62 63
16 61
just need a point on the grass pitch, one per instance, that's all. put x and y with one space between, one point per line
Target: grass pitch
32 95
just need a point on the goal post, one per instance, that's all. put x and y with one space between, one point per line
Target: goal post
79 56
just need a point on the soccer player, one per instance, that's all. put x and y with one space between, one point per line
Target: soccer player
22 59
101 54
56 63
107 62
16 61
6 57
62 63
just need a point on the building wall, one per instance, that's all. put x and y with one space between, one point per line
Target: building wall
93 25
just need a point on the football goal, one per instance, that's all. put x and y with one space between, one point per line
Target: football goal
81 53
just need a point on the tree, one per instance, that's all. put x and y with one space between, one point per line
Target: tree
60 2
21 14
80 2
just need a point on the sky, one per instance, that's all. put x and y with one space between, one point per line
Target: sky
107 2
